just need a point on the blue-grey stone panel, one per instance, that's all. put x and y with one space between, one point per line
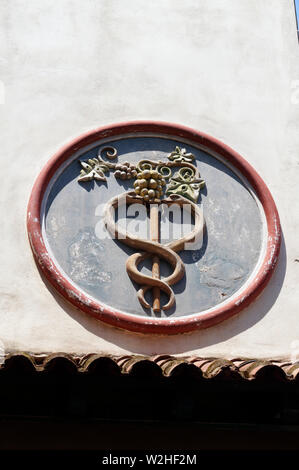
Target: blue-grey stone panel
230 247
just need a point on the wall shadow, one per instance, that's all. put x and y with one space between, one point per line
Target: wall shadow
182 343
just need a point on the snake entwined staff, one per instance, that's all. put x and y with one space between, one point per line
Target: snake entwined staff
149 186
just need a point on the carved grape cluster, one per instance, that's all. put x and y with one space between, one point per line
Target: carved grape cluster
149 185
125 171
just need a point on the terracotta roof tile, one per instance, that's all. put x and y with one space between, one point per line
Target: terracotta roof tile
169 365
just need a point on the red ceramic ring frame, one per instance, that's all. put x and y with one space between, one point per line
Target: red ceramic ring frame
150 324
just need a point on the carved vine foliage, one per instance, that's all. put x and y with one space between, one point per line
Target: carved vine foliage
152 178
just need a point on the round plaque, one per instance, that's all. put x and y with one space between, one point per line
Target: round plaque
153 227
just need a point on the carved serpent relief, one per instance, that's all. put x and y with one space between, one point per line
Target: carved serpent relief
152 180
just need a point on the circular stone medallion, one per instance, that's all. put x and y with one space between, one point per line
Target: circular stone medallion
153 227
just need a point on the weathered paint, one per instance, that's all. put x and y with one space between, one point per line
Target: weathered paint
68 69
219 267
127 320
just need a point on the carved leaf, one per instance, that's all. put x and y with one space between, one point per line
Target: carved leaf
181 155
93 169
185 184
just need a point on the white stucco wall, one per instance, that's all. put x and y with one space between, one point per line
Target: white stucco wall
226 67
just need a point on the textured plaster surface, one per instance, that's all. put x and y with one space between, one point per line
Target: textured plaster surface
226 68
